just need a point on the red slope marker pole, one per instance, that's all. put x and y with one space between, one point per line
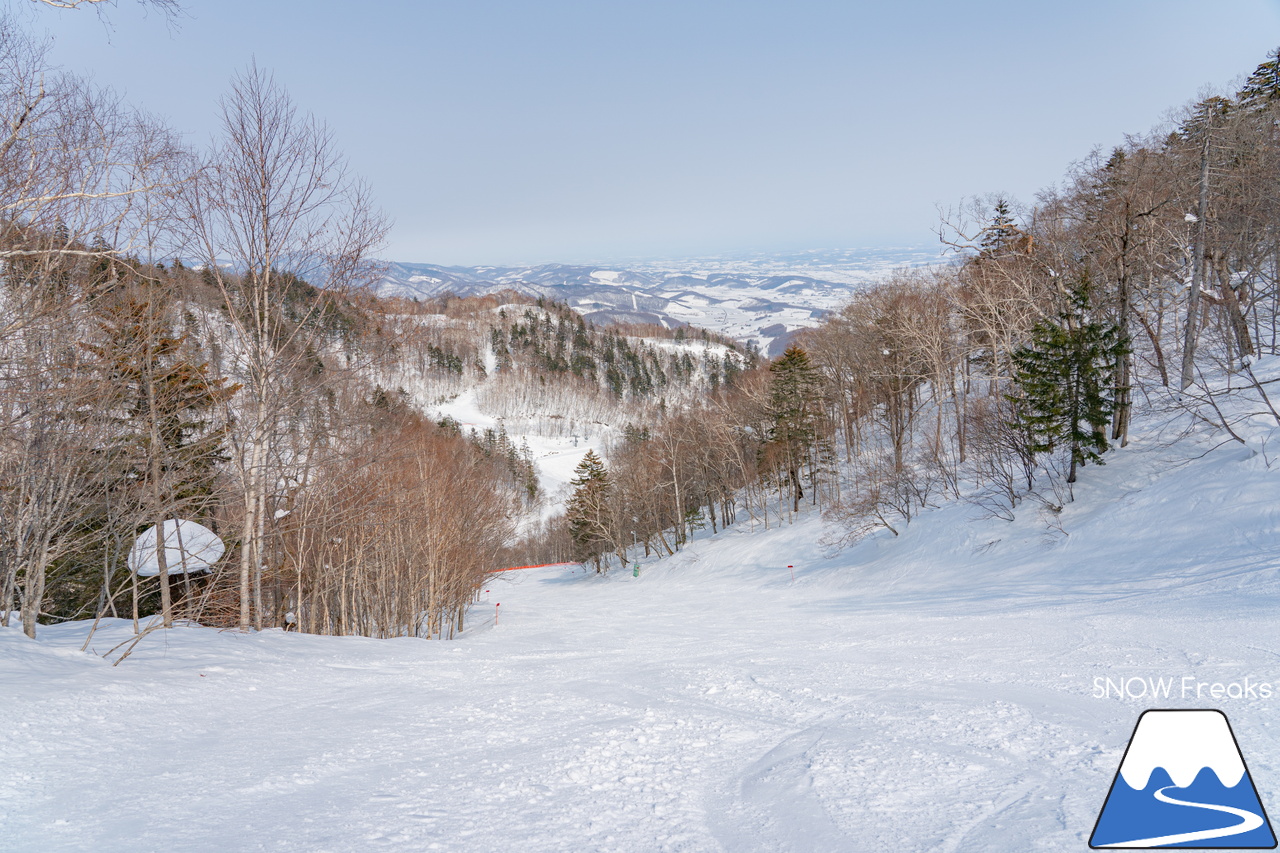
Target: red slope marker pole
495 613
793 573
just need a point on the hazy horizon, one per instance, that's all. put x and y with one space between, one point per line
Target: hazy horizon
828 254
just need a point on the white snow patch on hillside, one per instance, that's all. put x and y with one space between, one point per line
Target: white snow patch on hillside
466 412
554 457
692 346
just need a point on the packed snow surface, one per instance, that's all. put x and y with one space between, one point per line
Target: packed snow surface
948 689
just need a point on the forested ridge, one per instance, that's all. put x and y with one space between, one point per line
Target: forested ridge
1150 276
189 334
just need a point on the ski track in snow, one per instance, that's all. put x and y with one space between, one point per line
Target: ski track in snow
714 730
927 692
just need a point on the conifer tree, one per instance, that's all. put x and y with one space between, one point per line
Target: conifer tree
1063 376
170 440
794 409
1263 86
1001 233
588 509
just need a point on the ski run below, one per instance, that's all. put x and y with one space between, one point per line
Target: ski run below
968 685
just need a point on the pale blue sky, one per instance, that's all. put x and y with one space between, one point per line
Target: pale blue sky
521 131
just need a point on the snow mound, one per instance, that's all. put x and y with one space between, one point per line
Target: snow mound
189 548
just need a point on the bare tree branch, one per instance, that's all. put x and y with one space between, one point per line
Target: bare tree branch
169 7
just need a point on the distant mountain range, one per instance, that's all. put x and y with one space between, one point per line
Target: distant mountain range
765 298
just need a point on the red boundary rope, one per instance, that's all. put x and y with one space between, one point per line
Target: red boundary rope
539 566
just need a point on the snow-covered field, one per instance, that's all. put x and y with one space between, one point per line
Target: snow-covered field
747 296
937 691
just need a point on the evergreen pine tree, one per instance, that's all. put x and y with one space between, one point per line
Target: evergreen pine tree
165 413
794 398
1001 233
588 509
1063 379
168 404
1263 85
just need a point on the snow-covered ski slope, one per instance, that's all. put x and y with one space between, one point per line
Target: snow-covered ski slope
935 691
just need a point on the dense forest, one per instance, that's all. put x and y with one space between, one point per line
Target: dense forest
189 334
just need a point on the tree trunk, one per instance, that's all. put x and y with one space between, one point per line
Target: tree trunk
1231 305
1122 390
158 508
1192 330
33 593
1154 336
259 561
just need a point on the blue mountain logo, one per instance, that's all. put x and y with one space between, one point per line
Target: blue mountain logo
1183 783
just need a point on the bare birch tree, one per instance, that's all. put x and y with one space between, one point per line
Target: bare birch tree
277 220
75 167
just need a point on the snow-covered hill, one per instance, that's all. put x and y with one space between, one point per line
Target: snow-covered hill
550 382
967 686
760 298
